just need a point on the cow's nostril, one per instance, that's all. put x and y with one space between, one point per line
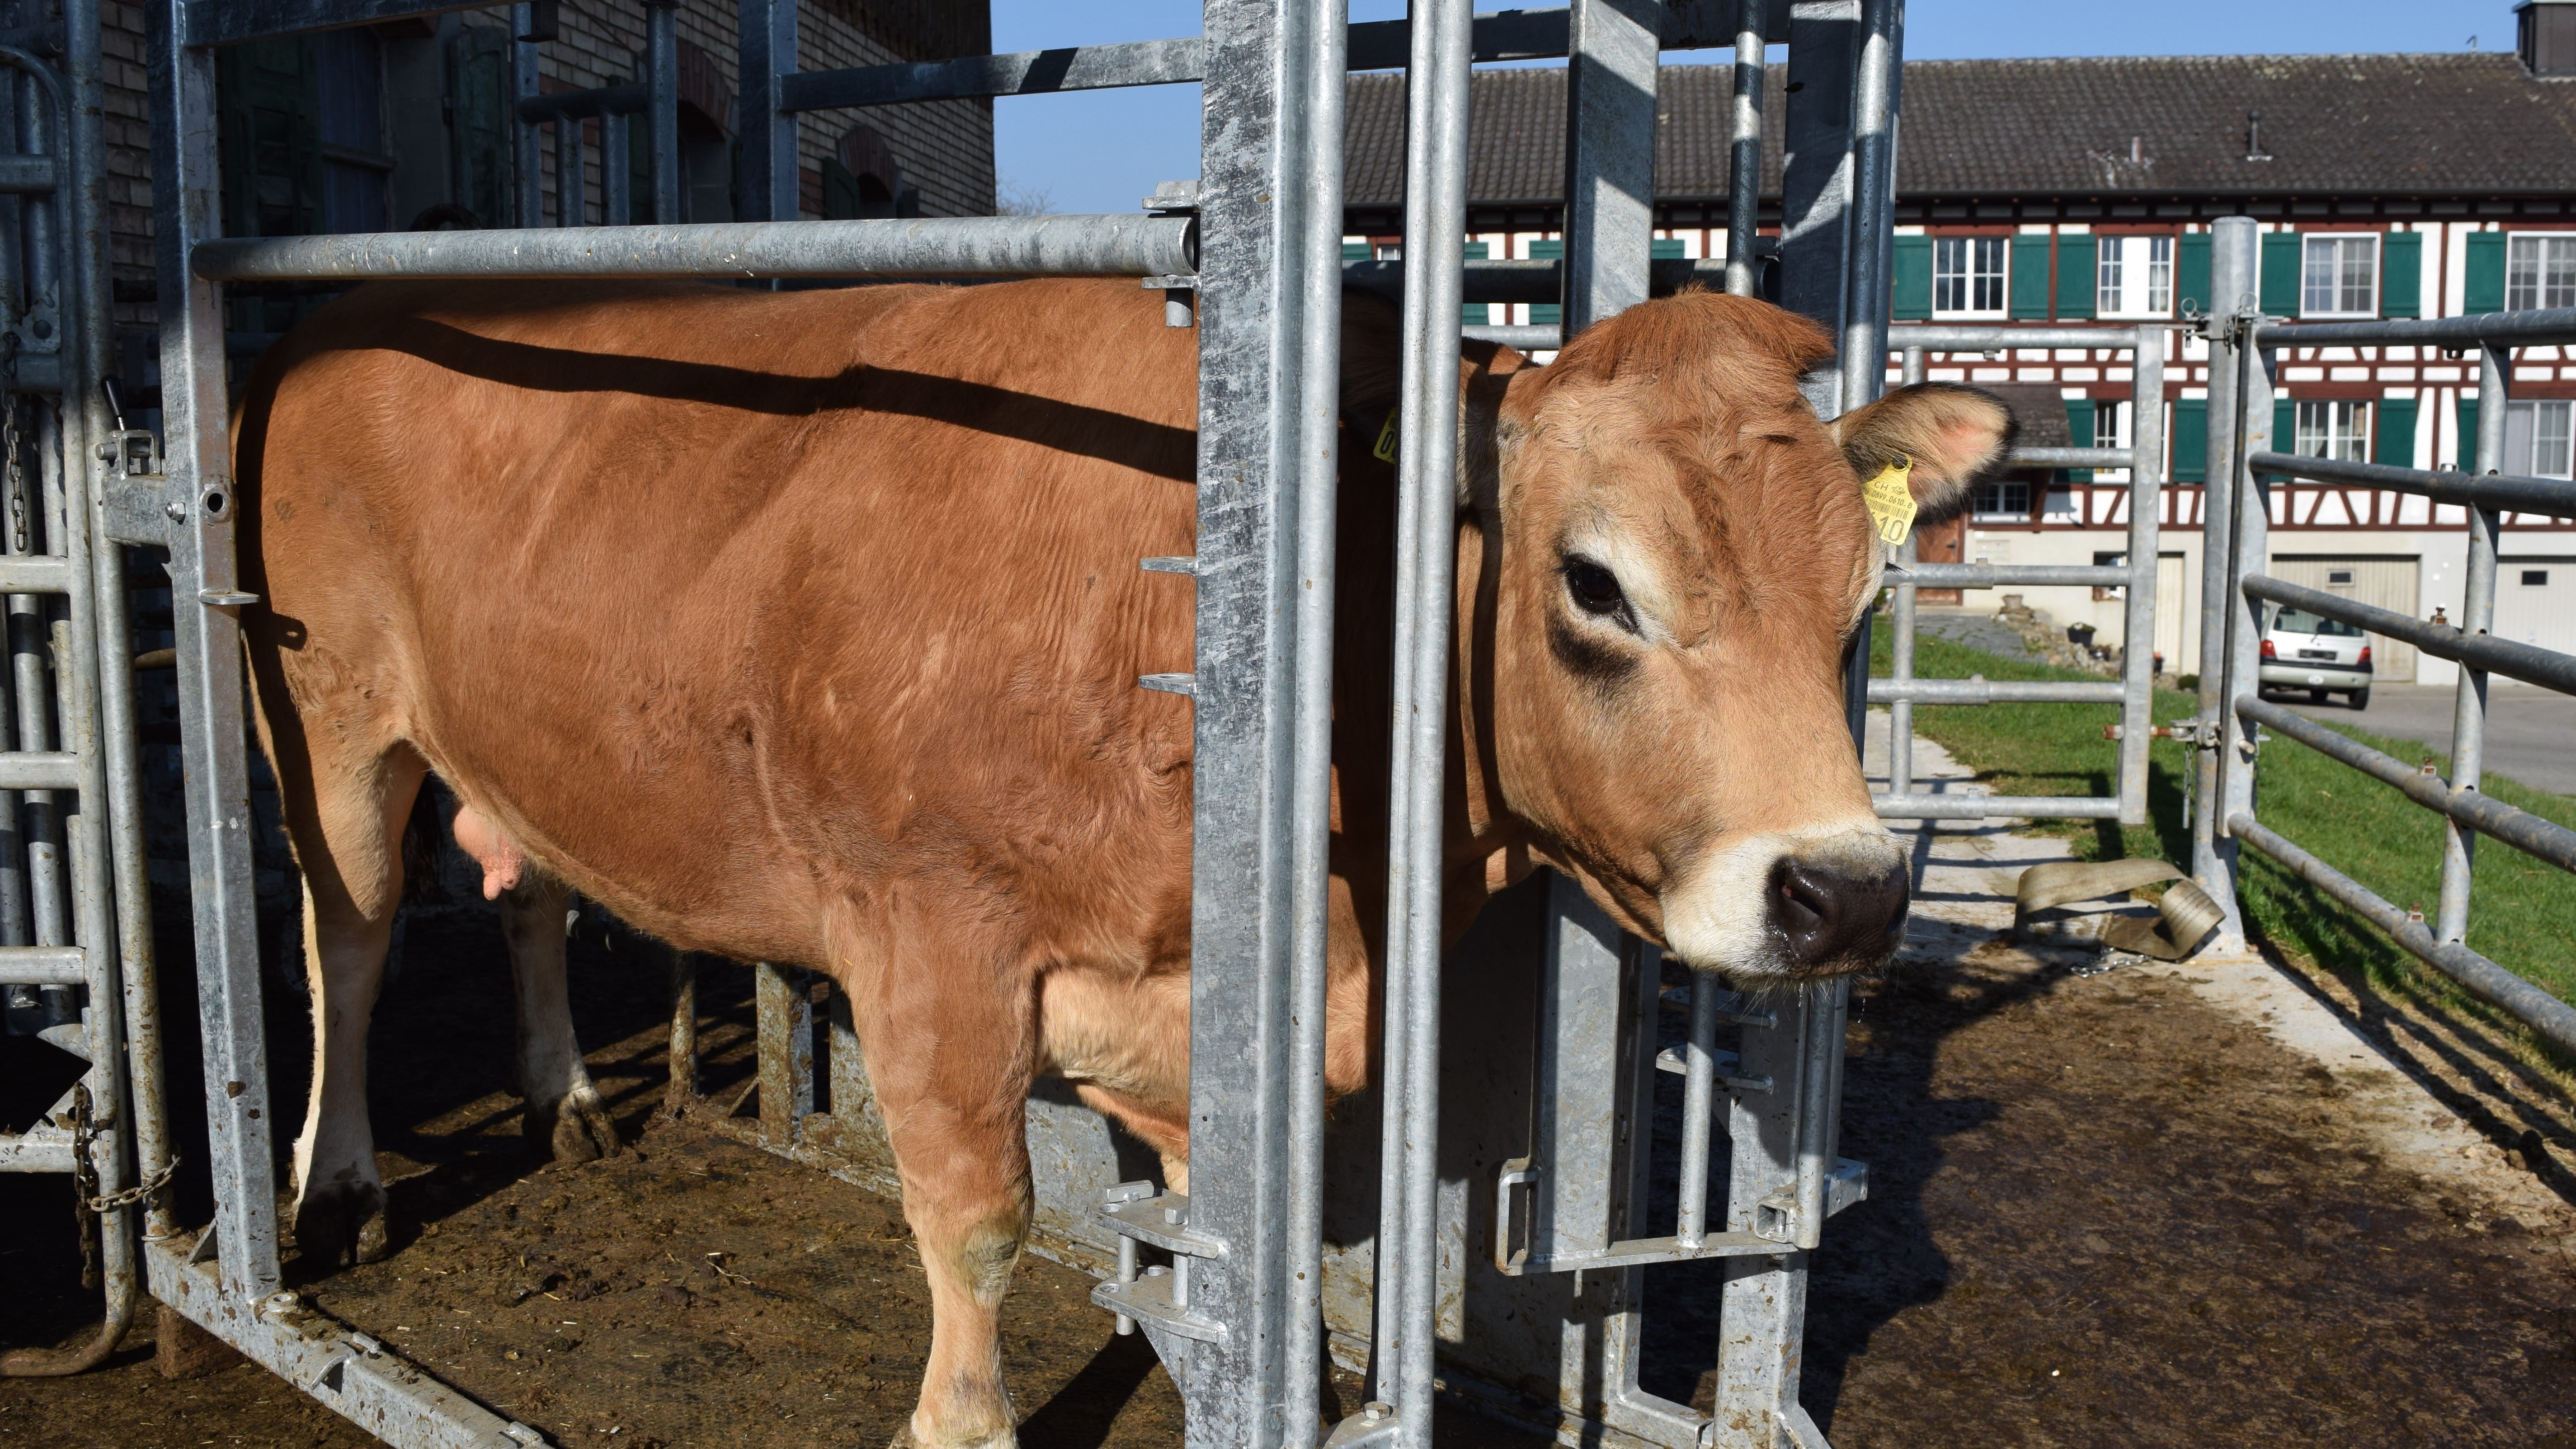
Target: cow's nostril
1834 920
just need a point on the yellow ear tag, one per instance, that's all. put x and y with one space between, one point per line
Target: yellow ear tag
1384 452
1891 500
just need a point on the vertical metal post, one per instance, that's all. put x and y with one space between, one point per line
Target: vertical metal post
1816 181
1435 224
662 113
1699 1103
2477 616
616 181
527 149
1900 714
770 189
2138 615
1609 158
2253 551
1269 357
572 183
1875 80
1744 149
2234 242
204 597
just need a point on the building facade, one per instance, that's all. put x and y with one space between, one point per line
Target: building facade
2081 192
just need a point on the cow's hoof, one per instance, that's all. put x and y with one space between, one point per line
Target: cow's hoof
577 1130
342 1223
905 1438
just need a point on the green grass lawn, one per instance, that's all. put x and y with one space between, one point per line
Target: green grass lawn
2522 914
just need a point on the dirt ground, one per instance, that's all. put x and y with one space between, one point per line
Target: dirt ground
2101 1214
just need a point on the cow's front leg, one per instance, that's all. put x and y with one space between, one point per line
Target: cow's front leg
949 1042
563 1114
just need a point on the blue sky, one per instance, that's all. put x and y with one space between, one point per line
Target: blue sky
1102 151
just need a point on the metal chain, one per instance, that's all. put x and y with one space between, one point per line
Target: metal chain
85 1171
10 467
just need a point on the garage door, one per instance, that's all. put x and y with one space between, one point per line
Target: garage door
2536 601
2385 580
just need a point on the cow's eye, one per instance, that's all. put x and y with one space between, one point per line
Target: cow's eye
1595 590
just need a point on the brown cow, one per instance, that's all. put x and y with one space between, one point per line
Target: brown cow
805 627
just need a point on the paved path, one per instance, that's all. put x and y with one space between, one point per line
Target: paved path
2531 732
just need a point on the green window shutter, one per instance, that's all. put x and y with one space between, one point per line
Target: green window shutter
2191 275
2468 454
1668 248
2486 272
2191 440
2285 425
2077 279
1472 314
1546 314
1355 251
2079 422
1910 272
2396 445
2401 274
478 121
2280 274
2028 284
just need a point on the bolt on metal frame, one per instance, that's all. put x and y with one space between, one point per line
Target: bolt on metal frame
77 957
2244 348
2134 692
1251 255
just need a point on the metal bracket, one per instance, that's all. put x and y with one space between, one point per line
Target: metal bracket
1775 1217
1670 1060
1169 683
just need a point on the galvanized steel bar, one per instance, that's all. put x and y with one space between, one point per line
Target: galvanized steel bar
1901 619
43 965
2146 535
2070 457
2007 691
2233 243
1992 576
616 180
662 111
1526 339
1973 337
1996 807
2535 1008
1744 149
1875 82
2554 497
35 573
2477 618
2533 327
625 99
1699 1109
2459 801
230 22
2251 548
2527 662
205 592
572 180
1028 72
771 188
1609 158
973 246
527 148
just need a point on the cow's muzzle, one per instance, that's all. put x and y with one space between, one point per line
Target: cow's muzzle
1831 919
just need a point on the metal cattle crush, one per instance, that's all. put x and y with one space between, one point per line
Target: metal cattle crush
1491 1250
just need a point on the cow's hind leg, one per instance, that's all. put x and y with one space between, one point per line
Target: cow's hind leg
346 816
563 1114
948 1029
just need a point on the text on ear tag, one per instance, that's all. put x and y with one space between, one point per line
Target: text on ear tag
1384 452
1890 497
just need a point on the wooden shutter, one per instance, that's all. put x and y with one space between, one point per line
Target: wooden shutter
1546 314
2079 422
2468 454
2280 274
2078 275
1355 251
2396 442
2401 275
1910 275
2191 274
2285 425
1472 314
2191 440
478 123
2027 282
2486 272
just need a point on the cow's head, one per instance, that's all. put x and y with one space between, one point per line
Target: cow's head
1684 554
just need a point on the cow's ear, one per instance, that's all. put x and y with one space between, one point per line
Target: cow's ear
1956 437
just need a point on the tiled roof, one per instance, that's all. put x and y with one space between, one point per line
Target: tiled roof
2342 125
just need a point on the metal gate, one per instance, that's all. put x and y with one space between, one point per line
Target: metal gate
1475 1255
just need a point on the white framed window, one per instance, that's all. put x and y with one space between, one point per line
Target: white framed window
2111 430
2006 500
2339 277
2336 428
2134 276
2538 437
1968 276
2539 271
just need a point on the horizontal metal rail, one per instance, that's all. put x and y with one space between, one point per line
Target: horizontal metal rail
2535 327
2524 831
38 1149
1956 337
2492 983
35 573
2510 492
2072 457
44 966
39 770
1527 339
1988 576
2526 662
20 175
2007 691
981 246
631 99
228 22
1996 807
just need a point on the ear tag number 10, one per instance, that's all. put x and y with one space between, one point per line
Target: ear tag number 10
1890 497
